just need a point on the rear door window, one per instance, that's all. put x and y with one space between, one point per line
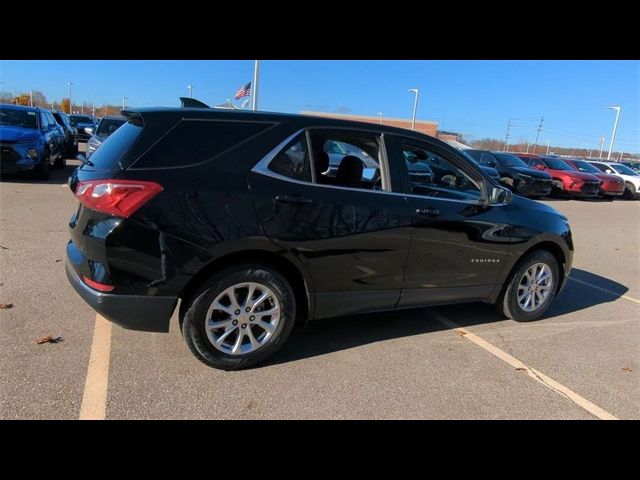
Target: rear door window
191 142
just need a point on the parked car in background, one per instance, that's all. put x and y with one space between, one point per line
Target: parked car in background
30 140
105 128
70 135
565 179
610 185
633 165
631 177
80 122
514 172
234 213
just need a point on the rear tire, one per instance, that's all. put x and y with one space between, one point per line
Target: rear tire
212 305
629 191
513 301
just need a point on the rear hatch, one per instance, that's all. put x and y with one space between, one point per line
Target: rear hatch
93 221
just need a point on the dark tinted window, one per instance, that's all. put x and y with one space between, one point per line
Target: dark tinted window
483 158
600 166
109 125
293 161
191 142
111 151
75 119
508 160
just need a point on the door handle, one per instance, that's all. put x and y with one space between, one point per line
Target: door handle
428 212
295 199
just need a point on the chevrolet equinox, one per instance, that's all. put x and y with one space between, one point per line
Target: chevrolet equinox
239 215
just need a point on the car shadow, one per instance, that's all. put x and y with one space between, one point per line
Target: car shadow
58 176
336 334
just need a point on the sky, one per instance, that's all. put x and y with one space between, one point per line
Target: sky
475 98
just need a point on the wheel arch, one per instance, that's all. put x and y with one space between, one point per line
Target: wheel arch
296 278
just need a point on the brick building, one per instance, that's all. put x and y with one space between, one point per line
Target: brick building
423 126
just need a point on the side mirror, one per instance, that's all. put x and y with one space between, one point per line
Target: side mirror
89 130
500 195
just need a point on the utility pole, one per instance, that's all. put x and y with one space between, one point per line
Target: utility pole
547 147
527 147
538 134
380 113
506 137
190 87
601 145
123 102
590 151
31 98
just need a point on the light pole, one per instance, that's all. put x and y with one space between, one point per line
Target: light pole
31 98
615 127
70 109
380 113
124 102
547 147
190 87
415 107
601 145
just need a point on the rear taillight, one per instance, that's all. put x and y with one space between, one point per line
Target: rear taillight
102 287
116 197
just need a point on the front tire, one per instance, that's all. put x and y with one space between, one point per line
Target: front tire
43 169
239 317
531 288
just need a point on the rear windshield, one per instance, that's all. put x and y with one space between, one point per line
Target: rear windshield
556 164
76 119
584 166
113 149
508 160
109 125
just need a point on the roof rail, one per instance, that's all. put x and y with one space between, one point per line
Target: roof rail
187 102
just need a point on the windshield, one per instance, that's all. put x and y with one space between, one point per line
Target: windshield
483 158
508 160
109 125
76 119
583 166
624 170
18 118
556 164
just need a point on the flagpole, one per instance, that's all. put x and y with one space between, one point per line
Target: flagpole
254 86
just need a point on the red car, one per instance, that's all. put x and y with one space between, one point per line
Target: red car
566 180
611 185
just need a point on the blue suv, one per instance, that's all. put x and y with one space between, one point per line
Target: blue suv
30 141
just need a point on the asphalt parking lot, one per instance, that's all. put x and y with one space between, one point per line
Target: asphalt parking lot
581 361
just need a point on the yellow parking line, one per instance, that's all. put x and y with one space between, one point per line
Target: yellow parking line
536 375
611 292
94 400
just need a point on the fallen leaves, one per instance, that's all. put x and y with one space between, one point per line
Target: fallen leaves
58 260
521 369
6 306
48 339
461 333
627 369
3 247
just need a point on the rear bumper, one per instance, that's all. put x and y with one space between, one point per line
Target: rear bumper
134 312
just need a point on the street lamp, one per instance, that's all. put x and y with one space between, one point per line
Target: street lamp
190 87
615 127
70 109
123 102
380 113
547 147
415 107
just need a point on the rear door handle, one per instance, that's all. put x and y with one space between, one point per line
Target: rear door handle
296 199
428 212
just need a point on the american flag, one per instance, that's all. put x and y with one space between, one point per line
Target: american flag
244 91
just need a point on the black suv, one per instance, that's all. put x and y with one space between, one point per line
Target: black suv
80 122
234 214
515 173
70 135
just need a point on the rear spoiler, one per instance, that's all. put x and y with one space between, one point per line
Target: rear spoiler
187 102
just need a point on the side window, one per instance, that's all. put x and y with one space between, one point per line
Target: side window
600 167
44 121
347 159
52 121
535 162
293 161
432 175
